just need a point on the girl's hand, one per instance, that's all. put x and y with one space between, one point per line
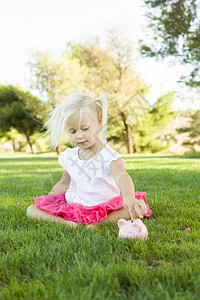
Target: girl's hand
135 206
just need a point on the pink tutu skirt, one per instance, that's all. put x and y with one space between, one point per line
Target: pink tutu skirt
76 212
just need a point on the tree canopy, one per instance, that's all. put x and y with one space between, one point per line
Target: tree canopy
175 26
193 131
55 76
111 70
21 110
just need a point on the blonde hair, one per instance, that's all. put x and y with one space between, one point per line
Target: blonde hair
76 102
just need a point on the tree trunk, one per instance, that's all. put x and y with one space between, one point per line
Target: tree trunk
128 134
30 144
14 145
130 139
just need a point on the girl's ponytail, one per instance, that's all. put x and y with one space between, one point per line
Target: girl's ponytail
104 107
56 124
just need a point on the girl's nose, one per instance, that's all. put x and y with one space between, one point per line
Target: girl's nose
79 134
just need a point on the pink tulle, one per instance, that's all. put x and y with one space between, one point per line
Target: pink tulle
76 212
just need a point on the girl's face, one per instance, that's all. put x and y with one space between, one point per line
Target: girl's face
83 132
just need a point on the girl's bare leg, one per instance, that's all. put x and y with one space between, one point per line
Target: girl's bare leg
114 216
36 213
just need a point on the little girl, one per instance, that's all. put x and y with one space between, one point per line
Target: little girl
94 187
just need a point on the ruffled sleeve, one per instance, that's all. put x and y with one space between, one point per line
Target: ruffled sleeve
63 158
110 155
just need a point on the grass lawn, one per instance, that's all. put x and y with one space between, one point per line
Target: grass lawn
43 260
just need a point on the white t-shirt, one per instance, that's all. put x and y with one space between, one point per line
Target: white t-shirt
91 180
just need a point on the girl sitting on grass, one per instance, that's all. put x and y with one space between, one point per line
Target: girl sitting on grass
94 174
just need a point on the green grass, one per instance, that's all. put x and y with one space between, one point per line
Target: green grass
43 260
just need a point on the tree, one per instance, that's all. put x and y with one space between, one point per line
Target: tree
194 131
175 26
21 110
148 132
99 64
55 76
18 140
129 85
111 69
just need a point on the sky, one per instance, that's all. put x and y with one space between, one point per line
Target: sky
51 24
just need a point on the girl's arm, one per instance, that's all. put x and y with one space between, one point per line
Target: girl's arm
127 189
61 186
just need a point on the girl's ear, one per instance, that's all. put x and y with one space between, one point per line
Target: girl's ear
121 222
100 120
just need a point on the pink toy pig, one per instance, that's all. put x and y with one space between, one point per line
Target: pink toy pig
132 229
